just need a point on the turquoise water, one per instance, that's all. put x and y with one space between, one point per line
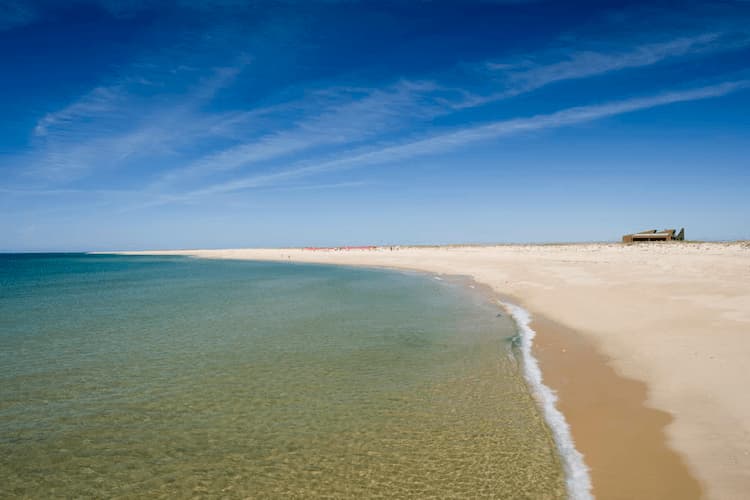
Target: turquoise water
126 376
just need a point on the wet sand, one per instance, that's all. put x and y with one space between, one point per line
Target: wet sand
623 441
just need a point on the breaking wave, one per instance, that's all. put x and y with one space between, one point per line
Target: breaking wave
577 479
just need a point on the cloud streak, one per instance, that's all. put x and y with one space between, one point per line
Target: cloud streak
96 104
373 113
117 123
446 142
528 75
408 102
137 120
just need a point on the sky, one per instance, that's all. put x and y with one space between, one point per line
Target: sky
130 124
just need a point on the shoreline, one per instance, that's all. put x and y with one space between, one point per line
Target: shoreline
578 481
607 413
569 362
661 316
577 474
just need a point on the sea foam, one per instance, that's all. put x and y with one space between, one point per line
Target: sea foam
578 481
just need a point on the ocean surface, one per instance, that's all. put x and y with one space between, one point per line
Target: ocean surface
134 376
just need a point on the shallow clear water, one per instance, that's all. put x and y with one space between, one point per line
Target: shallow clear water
167 376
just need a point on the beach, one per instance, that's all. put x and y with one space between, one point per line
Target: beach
653 338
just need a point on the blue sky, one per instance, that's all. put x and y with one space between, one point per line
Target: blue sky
129 124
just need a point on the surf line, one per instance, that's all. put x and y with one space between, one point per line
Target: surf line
577 479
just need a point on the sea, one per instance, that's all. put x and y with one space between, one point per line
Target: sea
175 377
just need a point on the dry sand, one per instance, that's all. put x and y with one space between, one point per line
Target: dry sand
671 318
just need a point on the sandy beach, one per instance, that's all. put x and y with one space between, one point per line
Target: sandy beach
646 345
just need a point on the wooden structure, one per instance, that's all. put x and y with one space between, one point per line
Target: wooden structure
654 235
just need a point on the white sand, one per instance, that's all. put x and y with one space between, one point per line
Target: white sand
674 315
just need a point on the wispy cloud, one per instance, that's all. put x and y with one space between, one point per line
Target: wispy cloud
113 124
364 114
94 105
529 74
198 150
442 143
377 110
